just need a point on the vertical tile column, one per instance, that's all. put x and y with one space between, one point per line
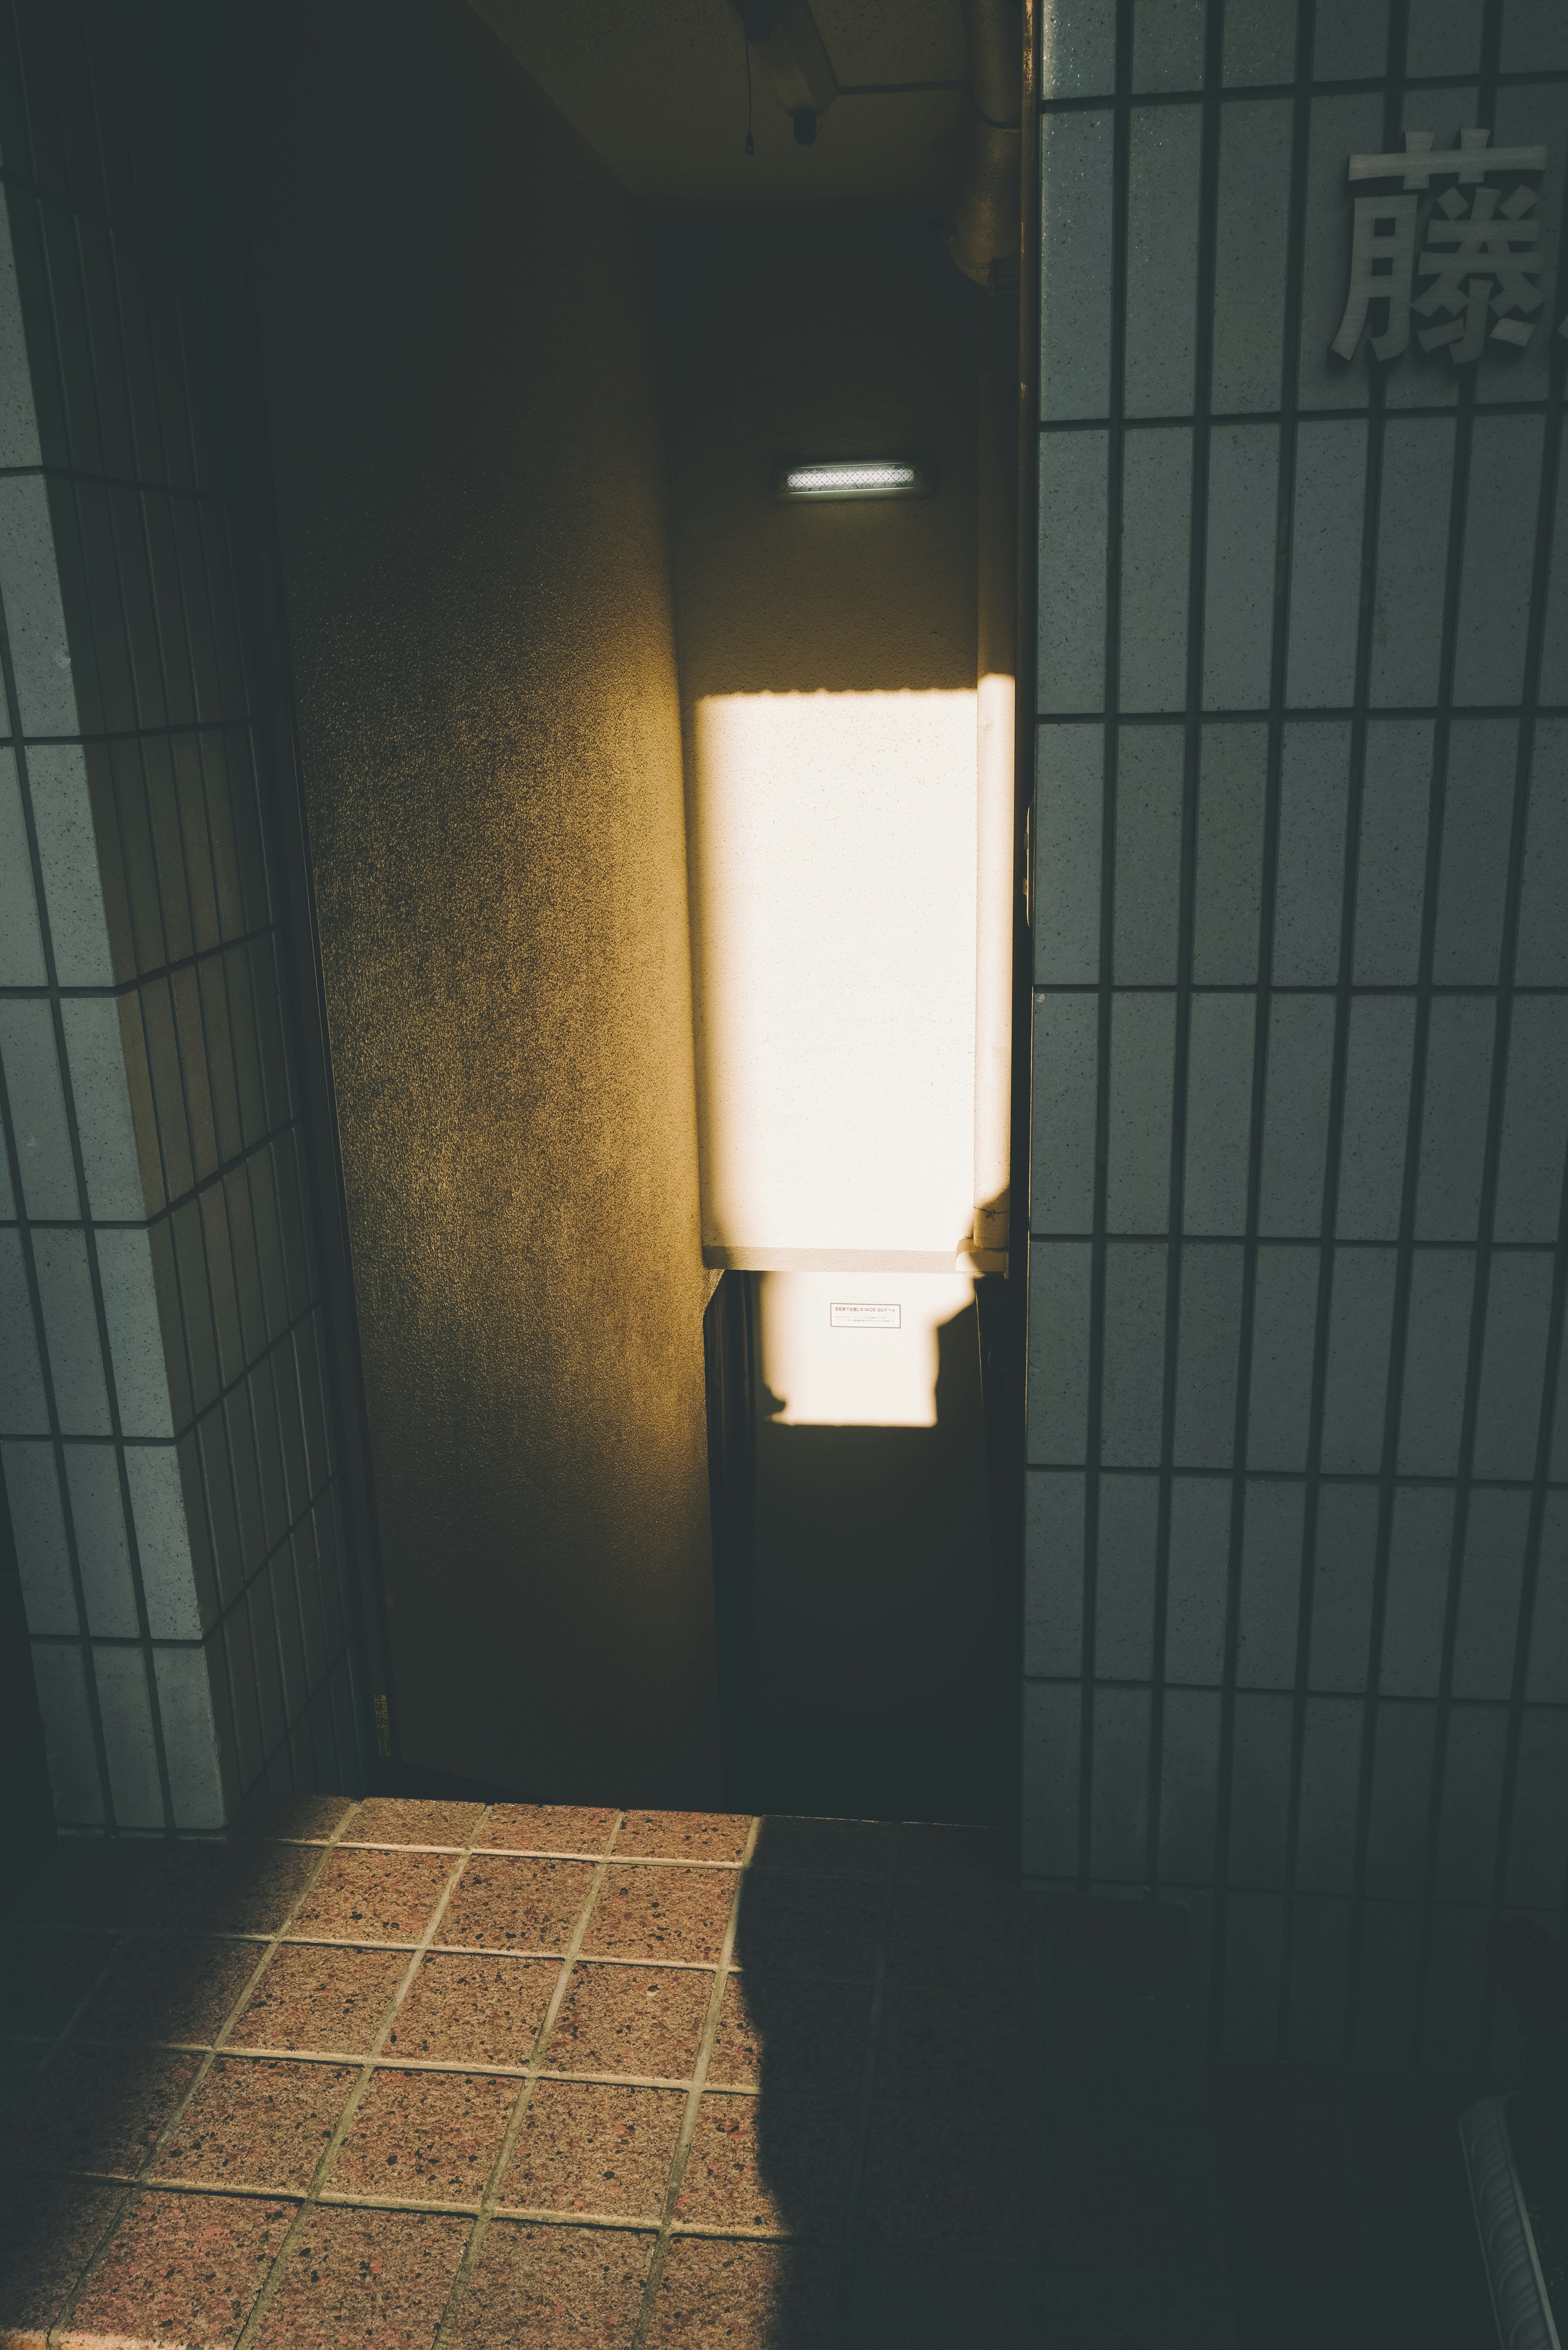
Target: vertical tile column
166 1434
1297 1574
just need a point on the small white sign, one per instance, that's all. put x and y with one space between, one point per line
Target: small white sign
863 1317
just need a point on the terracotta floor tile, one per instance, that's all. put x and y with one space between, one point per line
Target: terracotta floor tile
586 2148
958 1925
545 1828
258 2121
49 2230
74 1887
383 1820
248 1888
830 1847
377 2279
307 1819
376 1897
810 1924
315 1997
631 2020
44 1975
716 2295
19 2061
428 2137
1133 2196
504 1904
957 2181
99 2109
949 2038
684 1835
1134 2308
661 1913
554 2288
476 2010
788 2032
927 1852
183 2269
916 2301
758 2162
171 1988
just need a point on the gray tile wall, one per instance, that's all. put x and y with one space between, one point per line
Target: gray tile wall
166 1431
1297 1574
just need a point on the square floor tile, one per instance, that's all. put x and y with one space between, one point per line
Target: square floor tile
313 1996
1140 2308
49 2230
545 1828
826 1847
425 2137
374 1896
74 1887
790 2032
1099 1946
302 1819
929 1852
957 2181
916 2300
179 1987
44 1975
181 2269
952 2038
1121 2059
1129 2196
720 2295
382 1819
20 2062
505 1904
661 1913
684 1835
380 2279
474 2008
248 1888
643 2019
810 1924
959 1924
258 2121
587 2147
99 2109
763 2162
554 2288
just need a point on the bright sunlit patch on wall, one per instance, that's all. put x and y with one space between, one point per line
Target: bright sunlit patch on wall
852 477
868 1375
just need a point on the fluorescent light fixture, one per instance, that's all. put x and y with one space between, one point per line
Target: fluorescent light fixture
852 477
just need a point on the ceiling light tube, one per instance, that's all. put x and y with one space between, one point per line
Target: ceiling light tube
816 479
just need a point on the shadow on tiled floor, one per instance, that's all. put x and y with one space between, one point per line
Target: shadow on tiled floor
419 2072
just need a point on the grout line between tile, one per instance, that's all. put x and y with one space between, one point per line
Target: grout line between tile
693 2101
203 2069
867 2086
532 2073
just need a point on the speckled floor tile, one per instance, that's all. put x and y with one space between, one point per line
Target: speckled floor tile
258 2121
719 2295
545 1828
554 2288
1135 2195
49 2230
378 2278
181 2269
930 1853
661 1913
959 1924
631 2020
957 2182
504 1904
810 1924
684 1835
74 1887
584 2146
19 2061
376 1897
307 1819
178 1988
315 1997
381 1819
828 1848
99 2109
955 2039
779 2164
426 2136
471 2009
45 1975
1098 1945
916 2301
1139 2308
789 2032
247 1887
